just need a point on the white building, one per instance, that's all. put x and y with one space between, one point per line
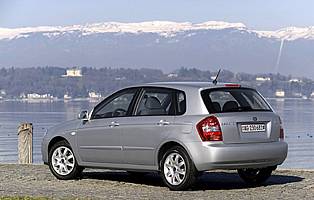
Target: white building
297 94
120 78
172 75
280 93
67 96
295 80
73 73
94 95
213 77
39 96
2 92
262 79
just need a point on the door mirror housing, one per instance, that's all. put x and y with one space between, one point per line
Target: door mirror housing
83 115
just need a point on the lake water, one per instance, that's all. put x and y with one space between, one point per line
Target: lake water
297 116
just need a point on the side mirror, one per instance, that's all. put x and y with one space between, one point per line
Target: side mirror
83 115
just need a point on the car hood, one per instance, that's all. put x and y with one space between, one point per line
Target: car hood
64 127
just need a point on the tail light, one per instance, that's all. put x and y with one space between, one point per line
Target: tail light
281 133
209 129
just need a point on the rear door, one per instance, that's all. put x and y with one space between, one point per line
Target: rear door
151 123
244 115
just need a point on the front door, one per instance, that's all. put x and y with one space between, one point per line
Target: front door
99 139
99 142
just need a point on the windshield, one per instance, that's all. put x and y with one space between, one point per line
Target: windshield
223 100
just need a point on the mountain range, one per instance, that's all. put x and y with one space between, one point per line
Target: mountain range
161 44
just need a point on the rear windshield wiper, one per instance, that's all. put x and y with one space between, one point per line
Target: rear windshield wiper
239 109
249 108
245 108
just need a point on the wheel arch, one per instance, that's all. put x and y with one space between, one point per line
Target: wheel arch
167 145
54 141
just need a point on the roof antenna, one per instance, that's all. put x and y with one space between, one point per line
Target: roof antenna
215 80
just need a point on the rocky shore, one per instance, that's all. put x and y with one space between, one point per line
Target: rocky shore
37 181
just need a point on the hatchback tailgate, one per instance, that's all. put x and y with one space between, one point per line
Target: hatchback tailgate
249 127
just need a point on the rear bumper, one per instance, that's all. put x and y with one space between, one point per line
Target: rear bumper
235 156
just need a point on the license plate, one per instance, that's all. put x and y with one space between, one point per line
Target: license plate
248 128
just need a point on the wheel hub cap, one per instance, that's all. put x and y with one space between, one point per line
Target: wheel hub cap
62 161
174 169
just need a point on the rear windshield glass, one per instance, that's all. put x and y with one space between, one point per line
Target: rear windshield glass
222 100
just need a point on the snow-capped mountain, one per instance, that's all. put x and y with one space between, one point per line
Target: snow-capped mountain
290 33
161 44
164 28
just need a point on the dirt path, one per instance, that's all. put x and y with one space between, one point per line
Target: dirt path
36 181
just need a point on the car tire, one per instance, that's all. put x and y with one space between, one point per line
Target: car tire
255 176
177 169
62 162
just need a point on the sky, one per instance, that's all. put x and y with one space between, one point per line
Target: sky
256 14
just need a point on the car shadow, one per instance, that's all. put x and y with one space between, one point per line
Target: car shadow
231 180
207 181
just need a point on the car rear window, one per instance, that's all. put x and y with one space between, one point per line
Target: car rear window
221 100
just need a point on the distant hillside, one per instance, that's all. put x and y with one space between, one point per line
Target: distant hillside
50 80
161 45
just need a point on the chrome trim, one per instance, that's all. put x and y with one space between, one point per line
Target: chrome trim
102 147
138 148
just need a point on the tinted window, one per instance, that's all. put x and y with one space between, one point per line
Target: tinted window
156 101
233 100
116 106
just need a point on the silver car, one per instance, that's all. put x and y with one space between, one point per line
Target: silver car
178 129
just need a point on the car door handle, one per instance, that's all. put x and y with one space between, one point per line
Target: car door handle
163 123
114 124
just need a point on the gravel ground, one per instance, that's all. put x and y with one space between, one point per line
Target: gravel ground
36 181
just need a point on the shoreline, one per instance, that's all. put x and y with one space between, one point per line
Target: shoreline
48 100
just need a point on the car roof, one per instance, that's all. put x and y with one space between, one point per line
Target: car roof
186 85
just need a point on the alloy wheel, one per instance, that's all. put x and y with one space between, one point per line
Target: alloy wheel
63 160
174 169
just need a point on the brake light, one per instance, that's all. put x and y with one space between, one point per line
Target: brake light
209 129
281 133
232 85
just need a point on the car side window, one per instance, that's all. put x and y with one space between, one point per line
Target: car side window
155 101
117 106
